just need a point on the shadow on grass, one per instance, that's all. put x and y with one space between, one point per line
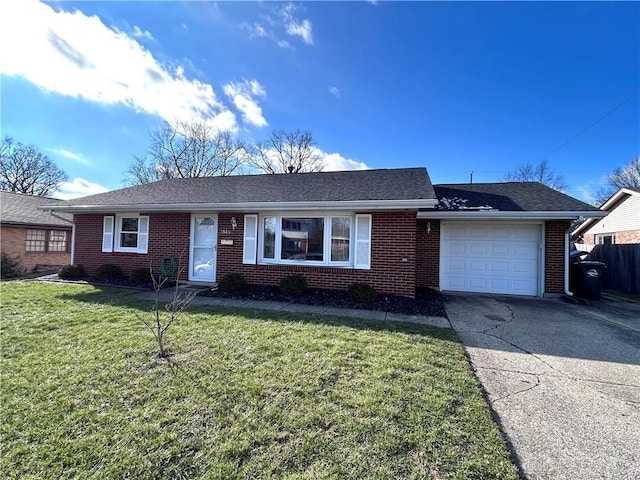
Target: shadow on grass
126 298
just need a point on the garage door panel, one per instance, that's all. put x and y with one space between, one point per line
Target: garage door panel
478 248
500 232
499 249
499 284
457 248
478 267
500 267
490 258
480 232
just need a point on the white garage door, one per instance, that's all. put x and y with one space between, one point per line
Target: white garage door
490 257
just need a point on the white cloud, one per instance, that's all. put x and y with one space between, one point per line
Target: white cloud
294 26
70 155
304 30
78 187
258 30
77 55
243 96
334 162
334 91
137 32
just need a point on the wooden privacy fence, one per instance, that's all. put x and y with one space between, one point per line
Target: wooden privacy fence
623 266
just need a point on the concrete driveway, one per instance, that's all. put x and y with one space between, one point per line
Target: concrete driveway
562 379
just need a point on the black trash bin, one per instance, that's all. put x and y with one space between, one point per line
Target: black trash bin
586 279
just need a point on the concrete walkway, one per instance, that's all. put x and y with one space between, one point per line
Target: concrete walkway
562 379
440 322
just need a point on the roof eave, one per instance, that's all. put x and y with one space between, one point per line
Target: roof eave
10 223
509 215
613 200
250 206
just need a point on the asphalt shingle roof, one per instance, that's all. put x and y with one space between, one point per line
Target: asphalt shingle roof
513 196
355 185
21 209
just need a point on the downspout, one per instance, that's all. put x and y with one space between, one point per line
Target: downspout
73 233
567 263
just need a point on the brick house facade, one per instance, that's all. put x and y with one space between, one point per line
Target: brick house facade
380 227
35 239
405 253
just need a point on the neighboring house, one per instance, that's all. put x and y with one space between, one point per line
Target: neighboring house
37 239
382 227
621 225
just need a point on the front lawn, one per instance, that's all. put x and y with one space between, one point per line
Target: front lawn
246 394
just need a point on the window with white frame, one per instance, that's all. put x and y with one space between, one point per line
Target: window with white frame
322 239
606 238
125 233
57 241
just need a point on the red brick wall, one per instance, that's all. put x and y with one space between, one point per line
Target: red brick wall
13 243
627 236
428 254
393 238
554 255
168 235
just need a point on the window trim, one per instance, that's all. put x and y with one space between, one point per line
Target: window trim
326 243
47 240
142 233
32 241
65 242
600 238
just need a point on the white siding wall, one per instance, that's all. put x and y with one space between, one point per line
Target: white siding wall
625 216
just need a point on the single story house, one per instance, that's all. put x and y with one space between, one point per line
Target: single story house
621 224
389 228
32 236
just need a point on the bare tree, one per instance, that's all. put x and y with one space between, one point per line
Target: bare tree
163 318
187 149
287 152
24 169
541 172
621 177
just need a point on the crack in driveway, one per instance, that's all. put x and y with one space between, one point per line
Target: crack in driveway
585 382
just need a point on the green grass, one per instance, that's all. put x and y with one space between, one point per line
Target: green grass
246 394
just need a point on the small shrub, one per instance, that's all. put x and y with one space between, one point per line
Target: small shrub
109 271
232 282
362 293
294 285
141 276
71 272
10 267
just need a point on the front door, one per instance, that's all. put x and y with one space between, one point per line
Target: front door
202 255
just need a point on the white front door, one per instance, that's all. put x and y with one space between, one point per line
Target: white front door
202 255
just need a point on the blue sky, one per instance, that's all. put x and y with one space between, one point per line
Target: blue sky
456 87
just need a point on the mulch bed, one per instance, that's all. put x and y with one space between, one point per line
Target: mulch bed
427 302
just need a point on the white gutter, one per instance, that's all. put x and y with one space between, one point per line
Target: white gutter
251 206
507 215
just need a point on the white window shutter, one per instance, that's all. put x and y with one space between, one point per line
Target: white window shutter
107 234
250 245
143 234
362 257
